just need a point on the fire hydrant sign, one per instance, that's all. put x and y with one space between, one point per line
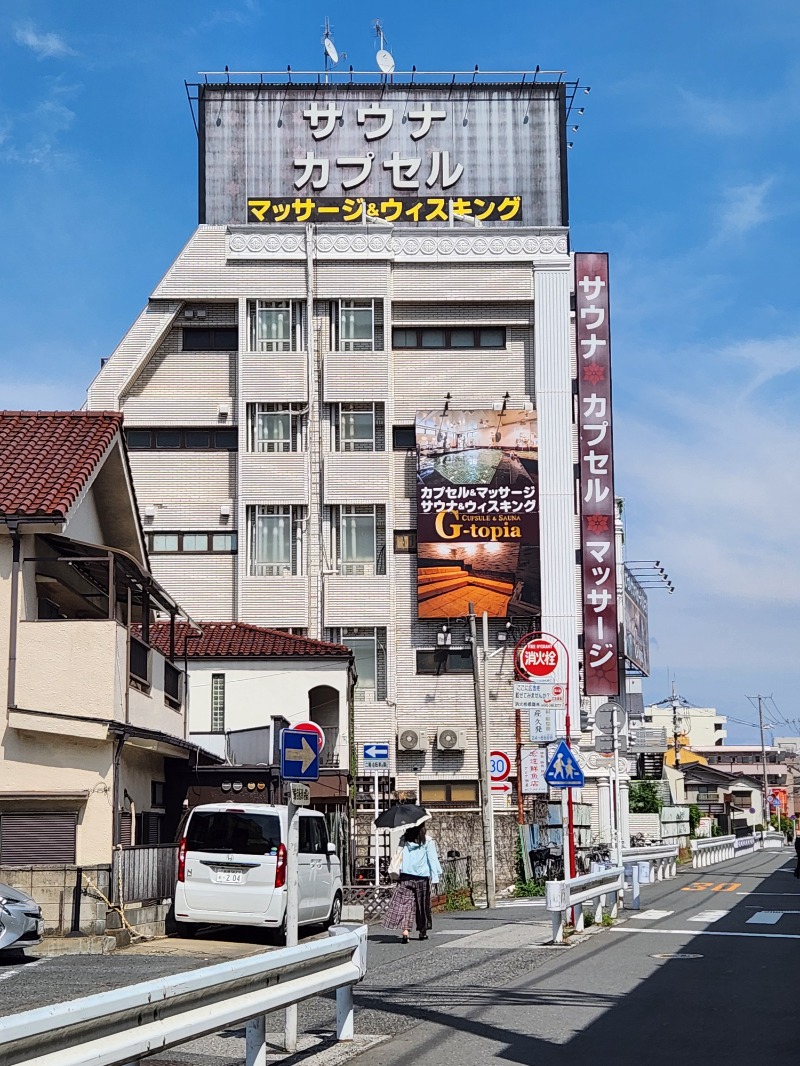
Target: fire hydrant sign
537 658
534 764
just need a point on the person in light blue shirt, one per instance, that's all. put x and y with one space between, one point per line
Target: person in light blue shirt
410 907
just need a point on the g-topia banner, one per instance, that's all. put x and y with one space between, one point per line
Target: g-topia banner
406 153
477 513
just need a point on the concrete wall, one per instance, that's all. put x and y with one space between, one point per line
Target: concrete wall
53 888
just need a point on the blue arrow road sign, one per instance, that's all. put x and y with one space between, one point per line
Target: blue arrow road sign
563 770
376 753
299 755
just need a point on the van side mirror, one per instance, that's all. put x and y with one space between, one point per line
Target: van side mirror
331 848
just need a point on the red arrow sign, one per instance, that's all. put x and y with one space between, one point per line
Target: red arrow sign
501 786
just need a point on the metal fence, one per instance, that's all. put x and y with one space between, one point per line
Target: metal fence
144 873
456 880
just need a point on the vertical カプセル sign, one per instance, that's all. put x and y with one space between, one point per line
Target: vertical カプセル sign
477 513
596 458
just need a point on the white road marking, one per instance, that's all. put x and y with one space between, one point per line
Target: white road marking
765 918
521 903
652 915
708 916
455 932
703 932
795 895
23 968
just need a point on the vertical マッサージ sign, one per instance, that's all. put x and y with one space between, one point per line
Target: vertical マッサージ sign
596 456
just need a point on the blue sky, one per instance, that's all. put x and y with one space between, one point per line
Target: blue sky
684 169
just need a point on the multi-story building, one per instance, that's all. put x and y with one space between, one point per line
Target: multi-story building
380 267
703 727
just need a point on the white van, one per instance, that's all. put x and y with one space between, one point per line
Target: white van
232 868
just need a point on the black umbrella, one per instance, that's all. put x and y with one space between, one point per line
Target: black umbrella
401 816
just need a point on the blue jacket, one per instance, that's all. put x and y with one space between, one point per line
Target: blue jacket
421 860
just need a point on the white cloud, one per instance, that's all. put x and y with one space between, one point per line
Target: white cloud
45 45
744 207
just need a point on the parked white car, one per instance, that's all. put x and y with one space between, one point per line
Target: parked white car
232 868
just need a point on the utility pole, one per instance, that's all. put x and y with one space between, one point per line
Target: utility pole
675 726
483 762
765 819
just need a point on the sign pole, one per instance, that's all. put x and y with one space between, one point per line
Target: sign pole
518 731
617 789
570 813
487 745
377 831
483 763
292 913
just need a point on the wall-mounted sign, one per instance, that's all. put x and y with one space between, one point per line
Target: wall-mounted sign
596 458
477 513
299 152
534 764
637 635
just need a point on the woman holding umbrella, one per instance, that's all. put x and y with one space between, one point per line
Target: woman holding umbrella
417 866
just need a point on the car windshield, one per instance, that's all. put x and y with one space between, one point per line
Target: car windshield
233 831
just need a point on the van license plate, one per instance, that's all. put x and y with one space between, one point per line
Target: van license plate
230 877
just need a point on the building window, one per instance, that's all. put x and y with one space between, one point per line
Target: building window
217 703
405 542
276 326
358 427
357 325
157 794
39 839
177 439
450 337
149 827
444 661
404 438
359 539
275 534
368 646
192 543
211 339
448 793
276 427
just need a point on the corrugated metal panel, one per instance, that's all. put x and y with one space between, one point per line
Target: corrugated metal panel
274 478
355 601
473 281
204 585
356 477
202 271
447 312
351 279
280 601
38 839
355 376
146 332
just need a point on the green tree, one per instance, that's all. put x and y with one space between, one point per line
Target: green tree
644 797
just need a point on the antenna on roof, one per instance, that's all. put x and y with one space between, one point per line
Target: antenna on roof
383 57
330 55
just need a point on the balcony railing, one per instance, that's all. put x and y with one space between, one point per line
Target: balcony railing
140 662
173 685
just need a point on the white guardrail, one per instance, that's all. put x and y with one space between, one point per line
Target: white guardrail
563 896
120 1027
709 850
662 859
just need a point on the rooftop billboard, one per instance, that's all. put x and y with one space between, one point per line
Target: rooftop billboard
407 153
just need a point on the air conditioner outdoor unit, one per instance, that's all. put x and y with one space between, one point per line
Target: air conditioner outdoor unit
410 740
451 739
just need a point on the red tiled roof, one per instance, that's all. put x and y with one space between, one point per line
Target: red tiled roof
47 458
235 640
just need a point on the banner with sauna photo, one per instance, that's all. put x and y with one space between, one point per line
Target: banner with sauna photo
477 513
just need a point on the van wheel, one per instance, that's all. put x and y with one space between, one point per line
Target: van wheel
187 930
335 917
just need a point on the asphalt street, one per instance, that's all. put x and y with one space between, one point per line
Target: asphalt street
486 987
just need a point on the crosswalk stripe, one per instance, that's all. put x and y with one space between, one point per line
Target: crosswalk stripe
652 915
708 916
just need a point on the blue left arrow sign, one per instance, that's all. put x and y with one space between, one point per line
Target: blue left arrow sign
299 755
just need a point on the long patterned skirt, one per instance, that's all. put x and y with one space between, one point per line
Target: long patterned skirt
410 906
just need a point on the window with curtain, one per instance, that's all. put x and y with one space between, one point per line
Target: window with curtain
368 645
275 326
359 427
274 531
357 325
275 427
361 533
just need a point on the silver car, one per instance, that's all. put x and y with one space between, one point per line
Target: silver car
21 924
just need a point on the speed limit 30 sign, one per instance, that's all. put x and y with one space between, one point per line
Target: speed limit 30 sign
499 766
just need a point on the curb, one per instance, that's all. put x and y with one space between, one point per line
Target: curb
76 945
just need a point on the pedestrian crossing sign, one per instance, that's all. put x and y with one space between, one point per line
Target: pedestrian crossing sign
563 770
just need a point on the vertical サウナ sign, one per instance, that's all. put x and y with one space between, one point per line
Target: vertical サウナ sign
596 456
